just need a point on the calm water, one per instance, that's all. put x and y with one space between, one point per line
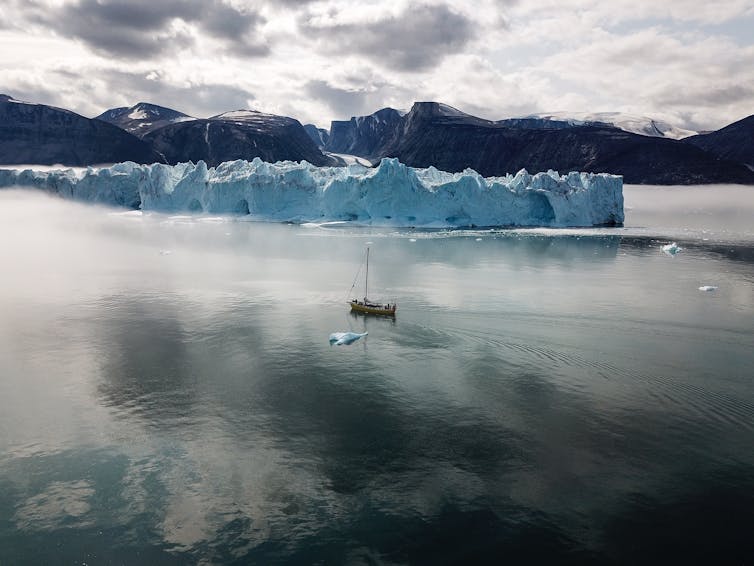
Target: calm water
168 393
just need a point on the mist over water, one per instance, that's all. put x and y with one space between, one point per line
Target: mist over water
168 393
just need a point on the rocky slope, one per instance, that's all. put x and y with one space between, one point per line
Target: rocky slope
36 133
319 136
365 136
241 134
734 142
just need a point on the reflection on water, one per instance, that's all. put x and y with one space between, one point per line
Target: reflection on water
559 396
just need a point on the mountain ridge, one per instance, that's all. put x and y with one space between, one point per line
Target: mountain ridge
437 134
735 141
430 134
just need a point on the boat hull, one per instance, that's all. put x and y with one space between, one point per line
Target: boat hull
368 309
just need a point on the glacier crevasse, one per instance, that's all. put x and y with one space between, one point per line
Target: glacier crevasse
390 194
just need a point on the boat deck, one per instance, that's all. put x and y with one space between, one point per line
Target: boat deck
373 308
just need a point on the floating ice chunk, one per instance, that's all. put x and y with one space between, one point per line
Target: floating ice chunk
478 239
708 288
671 249
345 338
412 239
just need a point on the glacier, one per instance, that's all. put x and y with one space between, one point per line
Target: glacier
389 194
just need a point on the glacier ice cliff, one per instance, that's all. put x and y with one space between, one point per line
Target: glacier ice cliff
390 194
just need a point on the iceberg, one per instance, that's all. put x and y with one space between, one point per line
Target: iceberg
389 194
345 338
671 249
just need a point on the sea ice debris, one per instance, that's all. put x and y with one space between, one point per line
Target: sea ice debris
345 338
671 249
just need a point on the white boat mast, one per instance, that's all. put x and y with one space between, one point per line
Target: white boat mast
366 279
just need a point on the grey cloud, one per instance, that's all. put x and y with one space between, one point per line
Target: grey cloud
140 28
63 88
416 39
29 91
700 97
291 3
236 26
199 101
364 99
345 102
726 95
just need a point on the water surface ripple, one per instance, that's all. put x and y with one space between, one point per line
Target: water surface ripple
168 393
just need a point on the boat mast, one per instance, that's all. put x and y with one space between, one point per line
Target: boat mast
366 279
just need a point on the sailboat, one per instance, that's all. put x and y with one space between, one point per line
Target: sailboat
370 307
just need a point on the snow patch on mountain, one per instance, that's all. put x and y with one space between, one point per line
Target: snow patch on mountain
447 110
247 116
138 114
347 159
633 123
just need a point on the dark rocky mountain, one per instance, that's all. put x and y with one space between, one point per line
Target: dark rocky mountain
734 142
439 135
365 136
241 134
45 135
142 118
319 135
430 134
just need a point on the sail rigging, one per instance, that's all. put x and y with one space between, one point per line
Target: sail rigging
367 306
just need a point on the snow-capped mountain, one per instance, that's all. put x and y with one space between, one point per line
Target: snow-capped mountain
143 117
41 134
642 125
255 118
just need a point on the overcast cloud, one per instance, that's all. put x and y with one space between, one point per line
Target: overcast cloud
687 61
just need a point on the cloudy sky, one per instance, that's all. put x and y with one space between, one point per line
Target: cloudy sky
687 61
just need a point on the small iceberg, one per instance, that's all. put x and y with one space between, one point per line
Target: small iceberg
708 288
671 249
345 338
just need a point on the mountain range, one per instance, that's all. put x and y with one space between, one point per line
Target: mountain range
641 149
